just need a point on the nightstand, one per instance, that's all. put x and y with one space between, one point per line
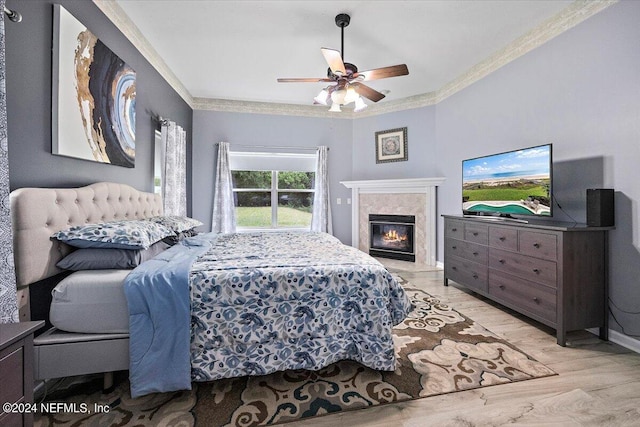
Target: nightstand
16 369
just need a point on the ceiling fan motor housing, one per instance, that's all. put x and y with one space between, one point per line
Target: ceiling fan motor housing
350 68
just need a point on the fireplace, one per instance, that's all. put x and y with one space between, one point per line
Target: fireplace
392 236
405 196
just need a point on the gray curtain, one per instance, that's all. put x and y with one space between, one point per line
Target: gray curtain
224 212
321 214
8 299
174 179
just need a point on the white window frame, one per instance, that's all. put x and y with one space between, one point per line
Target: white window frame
158 163
286 162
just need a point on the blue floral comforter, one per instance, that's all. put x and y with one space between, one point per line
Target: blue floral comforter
265 302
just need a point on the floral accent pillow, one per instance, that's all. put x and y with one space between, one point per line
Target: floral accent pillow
177 224
125 234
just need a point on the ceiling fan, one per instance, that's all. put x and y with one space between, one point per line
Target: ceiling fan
348 86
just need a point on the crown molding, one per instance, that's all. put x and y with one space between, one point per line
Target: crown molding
121 20
232 106
567 18
572 15
402 104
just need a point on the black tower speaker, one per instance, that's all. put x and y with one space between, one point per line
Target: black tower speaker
600 207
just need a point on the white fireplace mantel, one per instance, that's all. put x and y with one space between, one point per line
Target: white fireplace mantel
395 186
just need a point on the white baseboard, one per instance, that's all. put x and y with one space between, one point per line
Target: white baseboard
440 265
620 339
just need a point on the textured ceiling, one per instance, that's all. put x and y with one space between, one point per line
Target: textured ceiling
235 50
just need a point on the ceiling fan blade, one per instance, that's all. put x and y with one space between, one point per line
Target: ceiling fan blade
312 79
367 92
334 59
383 73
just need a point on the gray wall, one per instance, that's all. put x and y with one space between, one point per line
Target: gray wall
421 138
579 91
211 127
28 58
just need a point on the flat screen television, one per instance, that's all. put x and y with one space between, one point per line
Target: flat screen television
509 184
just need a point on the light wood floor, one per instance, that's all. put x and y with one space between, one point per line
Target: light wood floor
598 383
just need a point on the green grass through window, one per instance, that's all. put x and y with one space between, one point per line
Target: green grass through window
261 217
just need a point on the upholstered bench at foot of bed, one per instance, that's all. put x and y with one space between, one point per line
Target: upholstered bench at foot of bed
63 354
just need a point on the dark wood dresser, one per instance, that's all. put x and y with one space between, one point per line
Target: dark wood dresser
555 273
16 371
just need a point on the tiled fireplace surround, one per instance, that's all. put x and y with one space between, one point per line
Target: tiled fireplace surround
413 196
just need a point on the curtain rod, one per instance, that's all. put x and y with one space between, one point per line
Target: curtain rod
161 120
12 15
278 147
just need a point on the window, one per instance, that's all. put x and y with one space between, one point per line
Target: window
273 190
158 163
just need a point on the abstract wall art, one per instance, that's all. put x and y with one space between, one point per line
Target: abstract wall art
93 96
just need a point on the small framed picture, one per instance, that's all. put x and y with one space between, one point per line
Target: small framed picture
391 145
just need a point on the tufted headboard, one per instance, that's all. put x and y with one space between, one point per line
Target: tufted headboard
37 213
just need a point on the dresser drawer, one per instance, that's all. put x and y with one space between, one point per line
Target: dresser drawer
471 251
532 297
12 377
503 238
534 269
537 244
454 229
477 233
467 273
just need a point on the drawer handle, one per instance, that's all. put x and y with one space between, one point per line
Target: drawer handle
536 245
475 275
454 247
536 270
501 261
475 254
501 287
454 229
454 268
502 239
536 300
475 233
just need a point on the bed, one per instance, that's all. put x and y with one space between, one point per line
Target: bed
37 213
219 306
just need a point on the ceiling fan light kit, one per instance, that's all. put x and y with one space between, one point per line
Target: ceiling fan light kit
322 98
359 105
348 87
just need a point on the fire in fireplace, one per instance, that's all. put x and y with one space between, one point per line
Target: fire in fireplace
392 236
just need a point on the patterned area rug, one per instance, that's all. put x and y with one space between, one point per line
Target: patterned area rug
439 351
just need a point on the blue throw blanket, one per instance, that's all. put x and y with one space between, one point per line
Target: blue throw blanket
157 294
